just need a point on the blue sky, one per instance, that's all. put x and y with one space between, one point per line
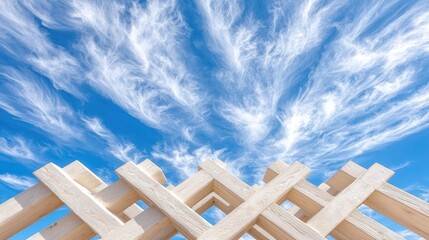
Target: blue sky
247 82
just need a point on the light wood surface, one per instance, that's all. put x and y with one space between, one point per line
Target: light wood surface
111 212
117 197
349 199
270 212
312 199
29 206
78 199
394 203
189 223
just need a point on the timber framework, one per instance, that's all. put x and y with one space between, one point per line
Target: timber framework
111 212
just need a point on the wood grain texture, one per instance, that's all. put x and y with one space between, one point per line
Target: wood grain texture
242 218
78 199
312 199
349 199
29 206
152 221
330 208
284 225
395 203
402 207
189 223
117 197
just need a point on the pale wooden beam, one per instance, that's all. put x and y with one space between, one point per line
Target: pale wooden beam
236 195
232 229
349 199
149 223
283 225
200 207
327 209
189 223
312 199
255 231
78 199
29 206
117 197
394 203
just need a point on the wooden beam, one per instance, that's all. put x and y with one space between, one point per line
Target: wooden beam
311 199
116 197
78 199
29 206
349 199
149 223
330 208
283 225
402 207
189 223
396 204
245 216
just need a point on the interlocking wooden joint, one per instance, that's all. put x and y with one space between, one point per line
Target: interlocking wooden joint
111 212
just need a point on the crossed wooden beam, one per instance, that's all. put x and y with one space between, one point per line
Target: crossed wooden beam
110 210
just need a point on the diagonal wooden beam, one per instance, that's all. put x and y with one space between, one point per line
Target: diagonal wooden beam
152 221
349 199
312 199
78 199
29 206
270 214
117 197
188 222
396 204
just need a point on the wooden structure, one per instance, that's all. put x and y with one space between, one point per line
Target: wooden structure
110 212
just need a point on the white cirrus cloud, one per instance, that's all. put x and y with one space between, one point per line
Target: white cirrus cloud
227 36
184 159
364 92
120 149
18 148
135 59
22 38
17 182
316 81
26 97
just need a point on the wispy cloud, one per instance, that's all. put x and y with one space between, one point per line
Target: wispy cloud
184 159
309 87
420 190
364 91
233 37
136 60
120 149
26 97
18 148
17 182
23 39
229 35
400 166
315 81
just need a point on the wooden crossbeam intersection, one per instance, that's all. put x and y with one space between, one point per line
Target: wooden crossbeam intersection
111 212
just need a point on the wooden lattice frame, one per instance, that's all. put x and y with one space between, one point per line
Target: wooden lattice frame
110 210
